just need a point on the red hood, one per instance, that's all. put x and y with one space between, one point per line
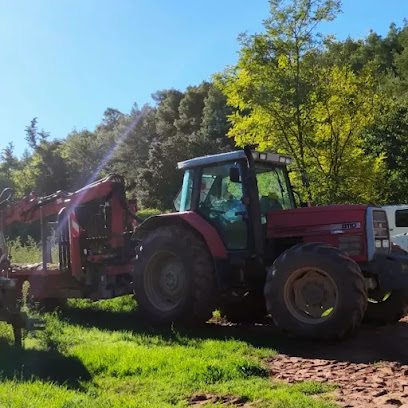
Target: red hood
316 220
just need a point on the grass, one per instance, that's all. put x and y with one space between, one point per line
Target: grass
100 355
28 252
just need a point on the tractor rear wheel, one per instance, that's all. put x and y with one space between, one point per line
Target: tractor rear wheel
315 291
173 279
386 307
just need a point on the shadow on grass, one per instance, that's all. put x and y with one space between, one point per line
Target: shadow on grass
371 344
51 366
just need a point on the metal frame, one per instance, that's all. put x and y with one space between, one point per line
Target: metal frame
69 279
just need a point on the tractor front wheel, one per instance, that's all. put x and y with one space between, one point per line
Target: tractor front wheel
315 291
386 307
173 279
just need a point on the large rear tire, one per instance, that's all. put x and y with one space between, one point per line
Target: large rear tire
173 279
315 291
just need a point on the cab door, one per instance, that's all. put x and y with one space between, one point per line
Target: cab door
220 203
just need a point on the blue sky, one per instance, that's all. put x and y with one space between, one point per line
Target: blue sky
66 61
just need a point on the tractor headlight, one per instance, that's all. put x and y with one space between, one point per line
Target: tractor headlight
378 234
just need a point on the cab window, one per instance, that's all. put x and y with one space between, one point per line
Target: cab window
273 187
220 203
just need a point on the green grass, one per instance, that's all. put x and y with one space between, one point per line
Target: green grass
100 355
28 252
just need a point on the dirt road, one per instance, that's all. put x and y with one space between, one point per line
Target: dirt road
370 369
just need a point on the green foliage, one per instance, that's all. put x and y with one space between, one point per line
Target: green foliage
194 123
290 97
28 252
387 137
148 212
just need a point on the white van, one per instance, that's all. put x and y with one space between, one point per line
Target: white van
398 224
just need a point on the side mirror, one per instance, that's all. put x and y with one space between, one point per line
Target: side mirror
234 175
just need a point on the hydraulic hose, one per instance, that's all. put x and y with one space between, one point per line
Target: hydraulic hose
5 195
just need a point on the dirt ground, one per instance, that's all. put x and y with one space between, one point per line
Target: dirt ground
371 369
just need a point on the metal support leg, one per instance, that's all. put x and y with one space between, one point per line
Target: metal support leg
46 249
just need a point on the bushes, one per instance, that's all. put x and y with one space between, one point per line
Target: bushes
148 212
28 252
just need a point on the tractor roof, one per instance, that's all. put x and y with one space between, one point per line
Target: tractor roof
279 159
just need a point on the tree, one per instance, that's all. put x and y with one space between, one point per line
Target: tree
8 165
167 112
84 152
191 108
132 153
289 97
388 137
341 170
198 128
46 171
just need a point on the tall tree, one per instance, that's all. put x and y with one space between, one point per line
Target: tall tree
288 97
46 172
167 112
388 137
198 128
8 165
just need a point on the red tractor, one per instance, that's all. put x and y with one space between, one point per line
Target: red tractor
236 243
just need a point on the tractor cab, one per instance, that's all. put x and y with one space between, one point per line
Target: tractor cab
220 188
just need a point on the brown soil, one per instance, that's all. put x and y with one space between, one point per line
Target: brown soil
370 369
228 400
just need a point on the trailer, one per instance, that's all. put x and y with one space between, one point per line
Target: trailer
93 250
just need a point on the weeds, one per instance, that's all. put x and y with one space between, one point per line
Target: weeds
28 252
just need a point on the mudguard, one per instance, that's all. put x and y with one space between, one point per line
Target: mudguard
197 223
